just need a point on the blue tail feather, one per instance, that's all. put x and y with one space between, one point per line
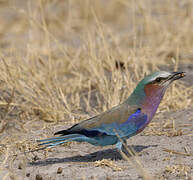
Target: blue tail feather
51 142
49 139
52 145
59 138
64 139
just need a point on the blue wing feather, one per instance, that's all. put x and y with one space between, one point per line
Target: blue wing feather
134 122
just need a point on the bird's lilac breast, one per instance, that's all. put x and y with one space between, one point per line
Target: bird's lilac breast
150 103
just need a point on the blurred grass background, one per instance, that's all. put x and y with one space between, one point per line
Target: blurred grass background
64 61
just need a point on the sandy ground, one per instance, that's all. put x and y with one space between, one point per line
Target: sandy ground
78 160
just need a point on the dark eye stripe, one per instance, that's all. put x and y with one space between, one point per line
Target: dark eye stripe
159 79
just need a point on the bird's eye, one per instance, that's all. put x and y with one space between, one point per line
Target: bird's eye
158 80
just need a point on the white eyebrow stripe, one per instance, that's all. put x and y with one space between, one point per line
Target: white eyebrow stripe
165 74
161 74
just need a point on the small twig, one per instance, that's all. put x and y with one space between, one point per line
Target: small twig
176 152
186 150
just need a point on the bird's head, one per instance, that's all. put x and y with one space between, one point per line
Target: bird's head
155 84
159 81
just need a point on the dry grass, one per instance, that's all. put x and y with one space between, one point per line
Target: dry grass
135 161
58 60
107 163
178 153
179 169
166 128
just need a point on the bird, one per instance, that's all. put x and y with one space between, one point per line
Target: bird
116 125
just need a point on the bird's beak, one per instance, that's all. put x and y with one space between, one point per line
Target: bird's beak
176 75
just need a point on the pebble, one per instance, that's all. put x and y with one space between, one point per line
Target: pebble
20 166
38 177
59 171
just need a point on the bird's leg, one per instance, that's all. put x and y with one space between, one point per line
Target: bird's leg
119 146
124 147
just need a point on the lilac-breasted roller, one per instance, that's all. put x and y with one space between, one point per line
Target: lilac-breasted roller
123 121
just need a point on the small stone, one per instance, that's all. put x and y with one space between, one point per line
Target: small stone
38 177
108 178
28 174
35 158
20 166
59 171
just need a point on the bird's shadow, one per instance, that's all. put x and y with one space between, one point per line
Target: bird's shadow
112 154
